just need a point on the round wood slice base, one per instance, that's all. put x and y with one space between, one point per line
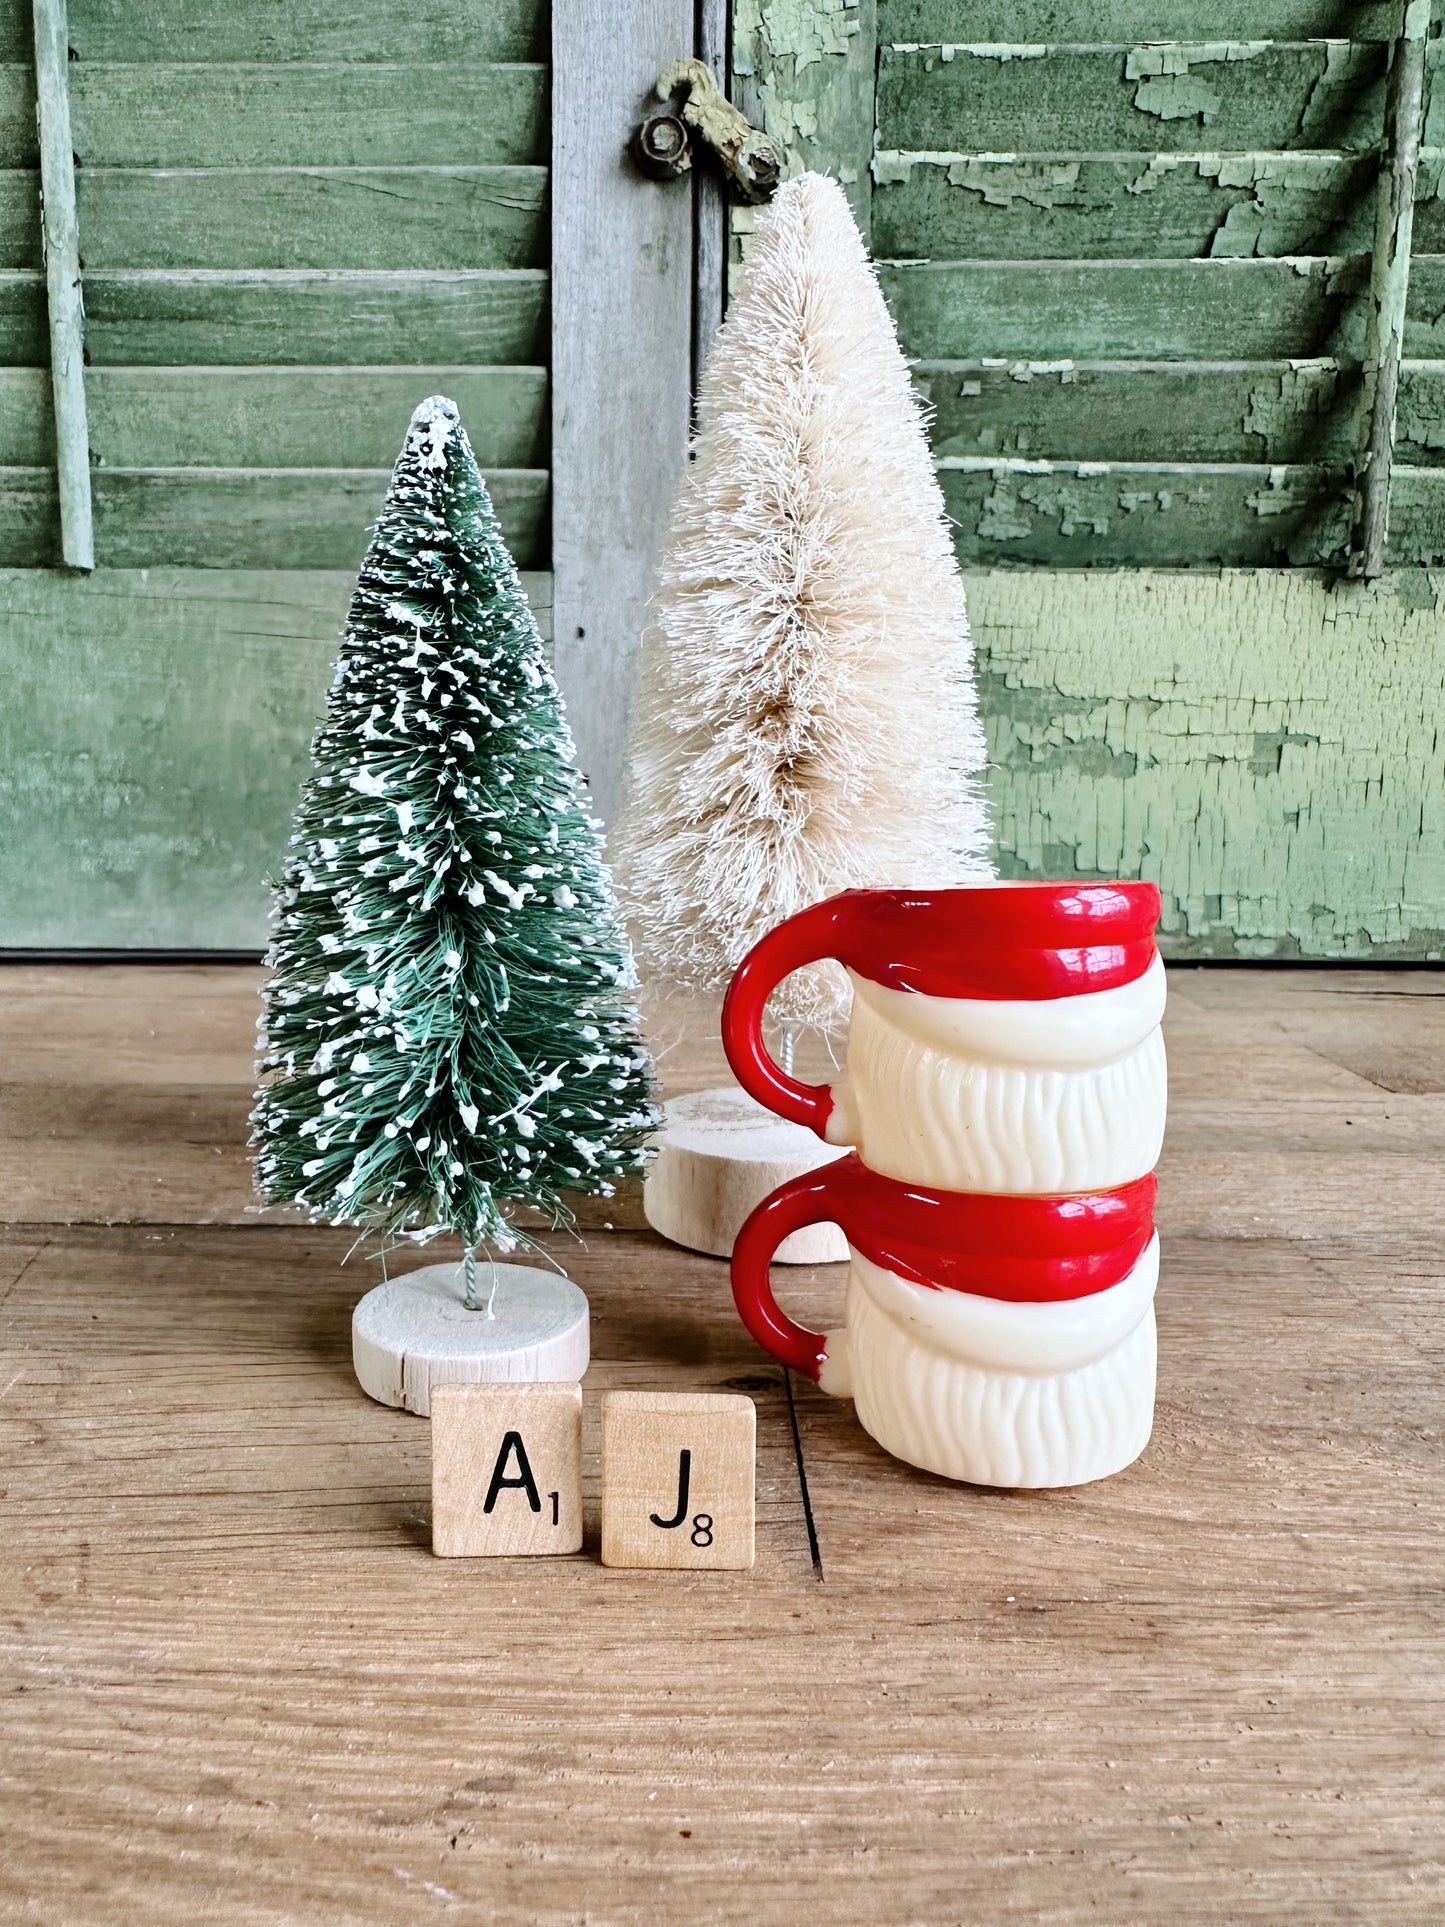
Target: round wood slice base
414 1332
720 1154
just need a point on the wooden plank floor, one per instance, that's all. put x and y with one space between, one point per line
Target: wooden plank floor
238 1688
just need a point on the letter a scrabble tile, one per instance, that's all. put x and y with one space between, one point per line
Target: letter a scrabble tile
506 1469
678 1480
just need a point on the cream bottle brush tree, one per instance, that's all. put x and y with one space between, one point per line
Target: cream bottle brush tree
449 1028
805 719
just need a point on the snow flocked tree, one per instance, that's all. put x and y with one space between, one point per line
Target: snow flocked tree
806 719
449 1027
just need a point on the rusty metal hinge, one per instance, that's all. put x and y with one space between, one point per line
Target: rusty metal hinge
662 145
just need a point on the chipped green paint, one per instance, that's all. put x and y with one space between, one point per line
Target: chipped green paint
1037 513
1262 745
1306 391
1144 364
1201 411
1169 86
805 69
1286 95
1071 206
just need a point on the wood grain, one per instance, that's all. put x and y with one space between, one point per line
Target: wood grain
276 417
1203 1691
478 315
208 518
1075 22
621 359
1142 309
353 30
1275 97
387 219
314 114
1070 205
64 301
1166 514
290 318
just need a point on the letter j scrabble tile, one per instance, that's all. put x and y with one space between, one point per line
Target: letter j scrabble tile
678 1480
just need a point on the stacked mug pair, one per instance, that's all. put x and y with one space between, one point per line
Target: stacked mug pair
1004 1096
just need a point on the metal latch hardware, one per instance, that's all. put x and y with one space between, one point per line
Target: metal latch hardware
662 146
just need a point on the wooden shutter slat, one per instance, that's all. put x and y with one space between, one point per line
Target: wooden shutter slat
1231 97
330 114
1097 206
381 218
298 317
459 31
1064 21
1152 310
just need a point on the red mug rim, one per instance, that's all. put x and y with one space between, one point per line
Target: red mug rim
1018 1249
1013 940
993 1244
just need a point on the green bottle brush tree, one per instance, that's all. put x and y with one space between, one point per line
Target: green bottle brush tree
449 1029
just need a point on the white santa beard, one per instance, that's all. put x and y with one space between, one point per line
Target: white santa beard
994 1393
1037 1097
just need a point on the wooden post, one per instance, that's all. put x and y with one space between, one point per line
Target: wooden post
1389 286
61 234
710 202
622 294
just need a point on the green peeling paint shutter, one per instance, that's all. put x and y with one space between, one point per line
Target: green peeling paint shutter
1128 246
296 220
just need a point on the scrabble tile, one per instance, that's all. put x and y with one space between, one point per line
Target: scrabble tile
506 1469
678 1479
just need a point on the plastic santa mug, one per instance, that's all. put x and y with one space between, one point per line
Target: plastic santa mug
1004 1036
1003 1341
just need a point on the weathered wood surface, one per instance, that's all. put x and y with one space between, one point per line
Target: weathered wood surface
1266 746
290 318
1076 22
1149 309
1130 411
1165 514
1103 206
622 304
153 740
317 113
287 417
456 31
18 143
1389 287
251 518
809 75
1221 96
1202 1691
1100 206
382 218
65 307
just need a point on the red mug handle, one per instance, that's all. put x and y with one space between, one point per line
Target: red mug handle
810 937
813 1198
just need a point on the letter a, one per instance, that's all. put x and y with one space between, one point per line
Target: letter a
523 1482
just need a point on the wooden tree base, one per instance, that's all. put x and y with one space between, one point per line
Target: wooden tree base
415 1331
720 1154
